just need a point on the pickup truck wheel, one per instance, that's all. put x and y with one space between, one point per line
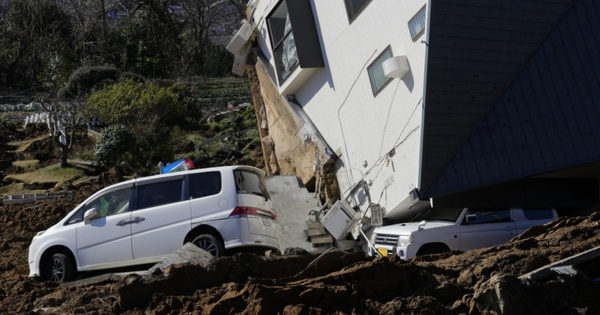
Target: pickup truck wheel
59 268
210 244
429 249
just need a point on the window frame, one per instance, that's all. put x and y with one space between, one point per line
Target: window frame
486 213
279 44
194 177
372 64
138 195
239 187
528 213
77 216
422 31
357 13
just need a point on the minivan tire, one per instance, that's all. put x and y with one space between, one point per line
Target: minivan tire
59 268
210 244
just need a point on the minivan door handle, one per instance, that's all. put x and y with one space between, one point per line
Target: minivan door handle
124 222
130 221
137 220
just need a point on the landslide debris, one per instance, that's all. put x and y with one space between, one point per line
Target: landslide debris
485 281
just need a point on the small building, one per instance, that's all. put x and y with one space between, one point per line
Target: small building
430 102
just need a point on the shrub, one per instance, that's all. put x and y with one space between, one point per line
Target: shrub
114 146
86 79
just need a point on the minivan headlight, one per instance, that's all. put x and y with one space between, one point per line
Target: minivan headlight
405 240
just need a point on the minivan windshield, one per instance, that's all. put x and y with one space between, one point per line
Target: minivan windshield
247 182
439 214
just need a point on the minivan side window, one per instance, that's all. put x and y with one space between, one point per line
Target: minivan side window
250 183
482 216
205 184
157 194
111 203
114 202
76 217
538 214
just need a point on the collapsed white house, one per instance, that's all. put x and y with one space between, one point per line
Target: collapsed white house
412 103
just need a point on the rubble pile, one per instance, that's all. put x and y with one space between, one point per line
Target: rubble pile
485 281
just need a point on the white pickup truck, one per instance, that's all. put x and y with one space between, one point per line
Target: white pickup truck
440 230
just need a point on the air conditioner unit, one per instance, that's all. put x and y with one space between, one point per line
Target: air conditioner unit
340 219
396 67
240 38
239 64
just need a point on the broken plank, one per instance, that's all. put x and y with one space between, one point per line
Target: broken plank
319 240
547 270
314 232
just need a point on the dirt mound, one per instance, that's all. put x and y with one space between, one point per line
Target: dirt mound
484 281
35 130
44 150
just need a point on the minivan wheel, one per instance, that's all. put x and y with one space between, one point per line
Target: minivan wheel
210 244
59 268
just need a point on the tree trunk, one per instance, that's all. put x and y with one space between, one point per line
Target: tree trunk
63 159
64 152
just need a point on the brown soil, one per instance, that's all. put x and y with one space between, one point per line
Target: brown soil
484 281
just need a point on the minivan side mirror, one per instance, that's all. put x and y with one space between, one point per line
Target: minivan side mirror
471 217
91 215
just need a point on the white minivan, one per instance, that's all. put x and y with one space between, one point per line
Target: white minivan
140 221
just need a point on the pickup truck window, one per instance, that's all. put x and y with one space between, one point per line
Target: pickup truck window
538 214
481 216
439 214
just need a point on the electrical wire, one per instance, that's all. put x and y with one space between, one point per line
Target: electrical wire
397 143
388 117
340 110
17 93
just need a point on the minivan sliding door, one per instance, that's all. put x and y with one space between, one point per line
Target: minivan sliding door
161 218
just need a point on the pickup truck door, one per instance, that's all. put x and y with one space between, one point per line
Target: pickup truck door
486 227
528 217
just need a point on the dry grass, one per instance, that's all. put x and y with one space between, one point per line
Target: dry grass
12 189
27 165
23 145
49 174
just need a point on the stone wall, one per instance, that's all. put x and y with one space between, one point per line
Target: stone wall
288 147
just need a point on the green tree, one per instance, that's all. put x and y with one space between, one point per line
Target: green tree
136 103
87 79
35 44
63 119
114 146
150 113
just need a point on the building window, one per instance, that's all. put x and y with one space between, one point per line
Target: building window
375 70
353 7
417 24
282 39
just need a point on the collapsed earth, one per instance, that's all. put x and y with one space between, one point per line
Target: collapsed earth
486 281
